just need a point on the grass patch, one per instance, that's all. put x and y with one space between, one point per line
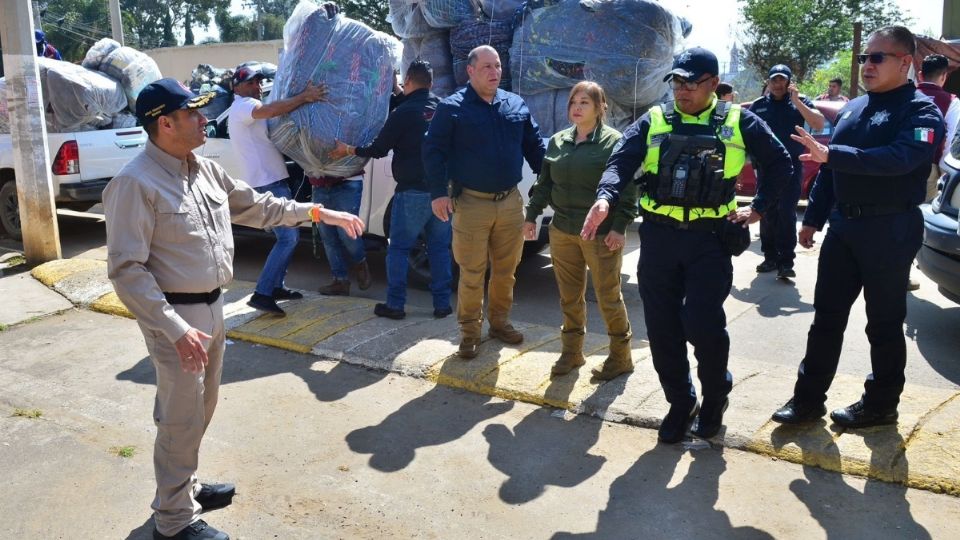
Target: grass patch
123 451
27 413
3 327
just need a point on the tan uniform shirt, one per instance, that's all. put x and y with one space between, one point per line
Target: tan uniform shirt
168 230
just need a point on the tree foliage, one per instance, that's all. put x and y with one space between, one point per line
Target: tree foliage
270 15
838 67
805 34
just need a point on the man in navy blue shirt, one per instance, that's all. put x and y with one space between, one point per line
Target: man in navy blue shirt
475 146
411 213
783 109
873 176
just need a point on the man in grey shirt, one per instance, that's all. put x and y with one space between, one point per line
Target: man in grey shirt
170 250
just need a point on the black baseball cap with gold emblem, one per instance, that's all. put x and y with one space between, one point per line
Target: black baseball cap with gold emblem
165 96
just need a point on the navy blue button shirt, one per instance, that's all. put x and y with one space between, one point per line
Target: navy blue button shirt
763 147
880 153
782 115
479 145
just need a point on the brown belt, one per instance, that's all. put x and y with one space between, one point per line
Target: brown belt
497 196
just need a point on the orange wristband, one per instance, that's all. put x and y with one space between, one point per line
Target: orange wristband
315 214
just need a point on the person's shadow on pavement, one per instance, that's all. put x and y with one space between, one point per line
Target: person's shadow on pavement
143 532
641 505
834 503
773 297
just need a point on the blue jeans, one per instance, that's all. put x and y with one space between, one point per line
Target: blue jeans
275 269
342 251
410 215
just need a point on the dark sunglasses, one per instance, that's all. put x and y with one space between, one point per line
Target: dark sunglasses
677 83
877 57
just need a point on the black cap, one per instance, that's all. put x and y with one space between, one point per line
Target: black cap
780 70
165 96
247 71
693 63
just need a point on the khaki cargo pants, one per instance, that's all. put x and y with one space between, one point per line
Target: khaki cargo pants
182 411
572 256
486 231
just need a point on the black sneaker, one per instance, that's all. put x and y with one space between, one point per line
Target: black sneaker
198 530
798 412
859 416
786 273
286 294
710 419
265 303
766 266
383 310
440 313
215 496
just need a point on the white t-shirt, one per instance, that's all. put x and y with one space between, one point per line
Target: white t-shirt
262 163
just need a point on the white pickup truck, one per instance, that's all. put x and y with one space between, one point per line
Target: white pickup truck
82 164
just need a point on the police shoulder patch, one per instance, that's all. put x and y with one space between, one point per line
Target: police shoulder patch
726 133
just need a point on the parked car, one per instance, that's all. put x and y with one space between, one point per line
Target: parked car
939 255
747 181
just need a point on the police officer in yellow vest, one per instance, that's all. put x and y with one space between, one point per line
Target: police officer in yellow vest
686 155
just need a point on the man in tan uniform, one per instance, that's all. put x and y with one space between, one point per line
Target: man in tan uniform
170 250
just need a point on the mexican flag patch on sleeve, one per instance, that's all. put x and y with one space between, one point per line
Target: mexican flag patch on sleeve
923 135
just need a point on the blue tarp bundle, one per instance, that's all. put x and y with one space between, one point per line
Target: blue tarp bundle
356 64
626 46
467 36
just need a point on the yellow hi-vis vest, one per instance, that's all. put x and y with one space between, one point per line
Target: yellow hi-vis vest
734 159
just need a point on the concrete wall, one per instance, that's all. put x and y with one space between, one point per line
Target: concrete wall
178 62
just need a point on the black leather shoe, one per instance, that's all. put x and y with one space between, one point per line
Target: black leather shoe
858 416
265 303
710 419
198 530
286 294
766 266
676 422
214 496
786 273
383 310
441 313
797 412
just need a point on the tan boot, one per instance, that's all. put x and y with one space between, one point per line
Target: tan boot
619 361
572 356
468 348
337 287
507 334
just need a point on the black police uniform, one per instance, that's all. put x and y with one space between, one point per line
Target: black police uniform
685 271
778 228
869 188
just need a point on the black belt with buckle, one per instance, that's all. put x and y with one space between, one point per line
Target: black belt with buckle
870 210
702 224
192 298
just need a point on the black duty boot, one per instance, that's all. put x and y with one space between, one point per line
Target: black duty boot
383 310
799 412
859 416
766 266
710 419
266 303
675 423
281 293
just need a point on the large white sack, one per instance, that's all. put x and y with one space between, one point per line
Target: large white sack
134 69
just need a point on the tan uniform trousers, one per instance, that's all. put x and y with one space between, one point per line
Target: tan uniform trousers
485 232
182 411
572 256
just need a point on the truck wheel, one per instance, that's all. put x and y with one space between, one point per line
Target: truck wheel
10 210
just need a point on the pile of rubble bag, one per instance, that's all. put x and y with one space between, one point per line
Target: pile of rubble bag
98 94
357 66
547 46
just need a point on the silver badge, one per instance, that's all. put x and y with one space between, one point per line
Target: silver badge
879 118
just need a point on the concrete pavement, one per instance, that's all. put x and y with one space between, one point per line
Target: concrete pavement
920 452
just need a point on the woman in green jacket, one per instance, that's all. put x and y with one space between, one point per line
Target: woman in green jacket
568 181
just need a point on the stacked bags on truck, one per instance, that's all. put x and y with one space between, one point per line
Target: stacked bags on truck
134 69
356 64
627 46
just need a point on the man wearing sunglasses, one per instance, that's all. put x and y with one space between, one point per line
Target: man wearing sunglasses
783 109
873 176
688 153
